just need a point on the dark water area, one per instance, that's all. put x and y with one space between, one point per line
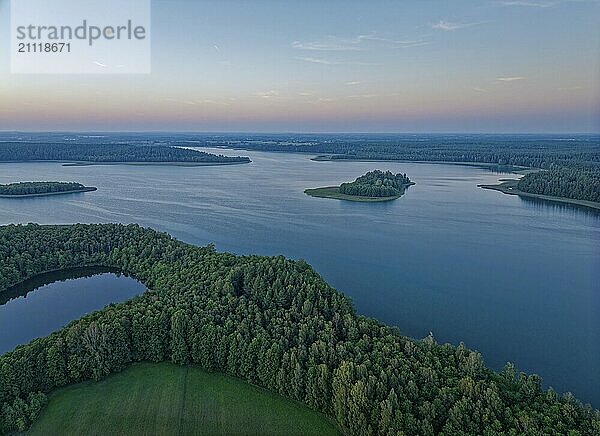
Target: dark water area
516 279
47 302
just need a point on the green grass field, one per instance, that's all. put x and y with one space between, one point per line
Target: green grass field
165 399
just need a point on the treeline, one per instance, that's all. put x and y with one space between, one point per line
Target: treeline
11 152
537 151
29 188
268 320
564 182
377 184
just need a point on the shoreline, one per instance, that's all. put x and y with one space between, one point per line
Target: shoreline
509 187
45 194
137 163
333 192
172 164
328 158
520 168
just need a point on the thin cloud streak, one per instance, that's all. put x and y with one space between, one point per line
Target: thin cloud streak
358 43
509 79
448 26
267 94
528 4
330 62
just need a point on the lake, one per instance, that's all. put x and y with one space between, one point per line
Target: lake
517 280
40 306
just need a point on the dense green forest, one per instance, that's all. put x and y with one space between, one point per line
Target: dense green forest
563 182
32 188
377 184
11 152
271 321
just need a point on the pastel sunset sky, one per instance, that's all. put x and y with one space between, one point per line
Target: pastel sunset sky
335 66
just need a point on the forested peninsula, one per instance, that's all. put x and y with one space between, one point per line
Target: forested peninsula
37 189
268 320
373 186
111 154
538 188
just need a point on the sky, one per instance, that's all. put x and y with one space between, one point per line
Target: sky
334 66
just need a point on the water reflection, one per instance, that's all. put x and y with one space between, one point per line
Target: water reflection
545 206
34 283
46 303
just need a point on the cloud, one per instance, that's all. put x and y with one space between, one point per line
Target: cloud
332 62
448 26
480 90
332 44
358 43
509 79
318 61
267 94
527 3
392 43
354 82
361 96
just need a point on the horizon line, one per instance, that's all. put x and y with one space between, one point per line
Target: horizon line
286 132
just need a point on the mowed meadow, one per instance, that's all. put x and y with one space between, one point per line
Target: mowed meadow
163 399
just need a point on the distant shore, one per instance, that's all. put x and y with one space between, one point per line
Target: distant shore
90 163
45 194
173 164
509 186
517 169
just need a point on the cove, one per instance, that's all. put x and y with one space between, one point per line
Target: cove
47 302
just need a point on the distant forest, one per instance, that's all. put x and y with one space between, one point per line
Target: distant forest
11 152
268 320
31 188
377 184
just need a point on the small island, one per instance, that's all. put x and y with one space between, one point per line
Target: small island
373 186
37 189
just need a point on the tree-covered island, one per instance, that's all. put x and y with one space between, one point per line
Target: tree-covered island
373 186
36 189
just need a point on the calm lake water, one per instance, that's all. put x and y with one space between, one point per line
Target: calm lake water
517 280
37 309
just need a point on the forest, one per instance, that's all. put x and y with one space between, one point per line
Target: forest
35 188
27 151
563 182
270 321
377 184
